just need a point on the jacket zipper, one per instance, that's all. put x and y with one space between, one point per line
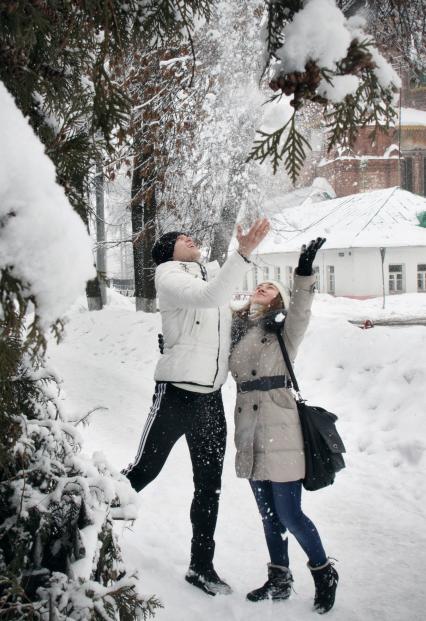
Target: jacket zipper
218 345
204 277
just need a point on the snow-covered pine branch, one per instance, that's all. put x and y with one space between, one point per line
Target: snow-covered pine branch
318 55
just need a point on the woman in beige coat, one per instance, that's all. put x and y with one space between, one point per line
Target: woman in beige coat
268 435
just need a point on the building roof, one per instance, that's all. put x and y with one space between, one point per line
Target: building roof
385 218
412 117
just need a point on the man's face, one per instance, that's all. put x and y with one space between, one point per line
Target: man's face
186 249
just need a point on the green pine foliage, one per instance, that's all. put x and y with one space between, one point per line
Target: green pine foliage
285 143
371 105
55 59
279 13
50 493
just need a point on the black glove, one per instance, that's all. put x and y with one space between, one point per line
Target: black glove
307 256
161 343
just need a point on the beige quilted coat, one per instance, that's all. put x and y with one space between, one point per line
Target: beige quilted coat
268 436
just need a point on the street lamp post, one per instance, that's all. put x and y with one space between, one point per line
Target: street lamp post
382 254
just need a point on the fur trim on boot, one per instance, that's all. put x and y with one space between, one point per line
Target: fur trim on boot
277 587
326 579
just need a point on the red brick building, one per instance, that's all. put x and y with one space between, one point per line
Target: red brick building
394 159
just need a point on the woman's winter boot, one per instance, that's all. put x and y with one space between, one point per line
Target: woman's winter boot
278 585
326 579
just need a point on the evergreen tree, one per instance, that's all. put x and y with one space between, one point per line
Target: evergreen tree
339 70
157 82
208 179
55 59
59 558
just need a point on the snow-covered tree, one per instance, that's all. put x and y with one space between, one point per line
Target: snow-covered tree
208 180
57 58
399 27
318 55
59 558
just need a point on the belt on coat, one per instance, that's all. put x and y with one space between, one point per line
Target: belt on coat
265 383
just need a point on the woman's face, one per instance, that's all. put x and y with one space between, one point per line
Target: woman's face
264 294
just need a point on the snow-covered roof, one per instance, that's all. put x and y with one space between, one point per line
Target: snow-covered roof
385 218
413 117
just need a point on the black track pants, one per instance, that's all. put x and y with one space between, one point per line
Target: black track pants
201 418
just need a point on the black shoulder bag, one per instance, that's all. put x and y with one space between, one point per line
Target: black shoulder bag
322 444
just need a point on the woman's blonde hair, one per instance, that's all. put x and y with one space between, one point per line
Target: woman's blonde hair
276 304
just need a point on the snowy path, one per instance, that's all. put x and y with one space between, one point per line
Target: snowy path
373 520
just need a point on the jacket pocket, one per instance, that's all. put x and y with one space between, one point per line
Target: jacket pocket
195 327
282 398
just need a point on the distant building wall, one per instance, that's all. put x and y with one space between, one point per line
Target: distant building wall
413 95
348 174
354 272
351 176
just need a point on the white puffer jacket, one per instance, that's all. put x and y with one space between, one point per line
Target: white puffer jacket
196 320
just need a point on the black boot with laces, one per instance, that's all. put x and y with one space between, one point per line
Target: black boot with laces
326 579
277 587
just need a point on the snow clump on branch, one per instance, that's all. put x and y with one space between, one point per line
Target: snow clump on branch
321 34
43 241
318 32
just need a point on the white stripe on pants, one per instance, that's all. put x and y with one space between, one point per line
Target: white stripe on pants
161 388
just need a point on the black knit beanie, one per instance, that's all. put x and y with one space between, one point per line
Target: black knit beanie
163 248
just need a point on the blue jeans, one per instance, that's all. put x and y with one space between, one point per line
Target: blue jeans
280 507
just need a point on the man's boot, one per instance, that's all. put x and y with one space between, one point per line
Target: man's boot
208 581
278 585
326 579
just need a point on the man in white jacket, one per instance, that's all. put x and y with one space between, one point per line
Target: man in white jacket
196 324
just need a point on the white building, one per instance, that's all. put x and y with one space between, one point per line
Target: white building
360 230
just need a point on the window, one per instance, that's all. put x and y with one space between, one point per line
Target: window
289 271
277 274
265 273
418 82
255 277
424 176
407 173
331 280
396 279
317 278
421 277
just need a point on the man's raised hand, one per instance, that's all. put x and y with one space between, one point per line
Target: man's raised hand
249 241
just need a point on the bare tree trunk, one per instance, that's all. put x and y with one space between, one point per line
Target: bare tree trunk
143 221
100 231
137 221
93 289
93 295
148 300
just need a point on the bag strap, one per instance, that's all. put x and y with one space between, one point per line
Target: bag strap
289 365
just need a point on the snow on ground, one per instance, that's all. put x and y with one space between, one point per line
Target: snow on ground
372 520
